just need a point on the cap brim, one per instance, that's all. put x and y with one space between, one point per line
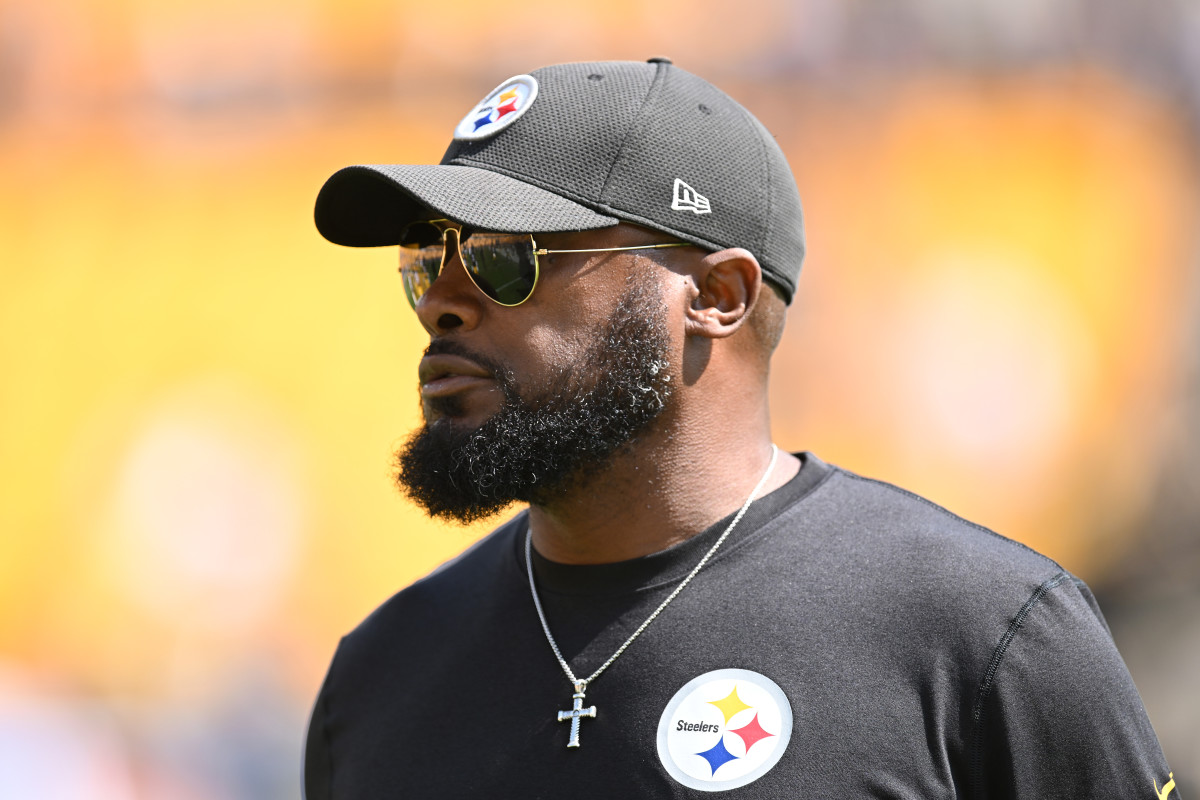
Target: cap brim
368 205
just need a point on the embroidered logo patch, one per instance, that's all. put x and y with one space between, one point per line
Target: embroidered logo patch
688 199
724 729
501 108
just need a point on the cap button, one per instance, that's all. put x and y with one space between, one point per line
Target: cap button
659 60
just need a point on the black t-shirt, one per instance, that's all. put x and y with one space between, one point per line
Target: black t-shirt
849 639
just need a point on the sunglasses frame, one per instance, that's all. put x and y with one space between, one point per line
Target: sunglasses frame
445 226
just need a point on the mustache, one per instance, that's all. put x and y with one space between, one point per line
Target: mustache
450 347
504 377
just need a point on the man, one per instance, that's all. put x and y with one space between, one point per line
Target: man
603 260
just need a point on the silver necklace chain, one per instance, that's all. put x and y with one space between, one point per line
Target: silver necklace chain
581 684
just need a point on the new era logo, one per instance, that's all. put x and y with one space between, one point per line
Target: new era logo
688 199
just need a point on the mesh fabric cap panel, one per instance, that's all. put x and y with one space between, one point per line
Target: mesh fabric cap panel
618 142
572 132
723 153
783 252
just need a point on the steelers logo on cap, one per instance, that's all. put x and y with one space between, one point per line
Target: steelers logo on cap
504 106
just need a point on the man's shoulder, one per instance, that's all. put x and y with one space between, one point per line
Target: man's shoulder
875 545
900 527
912 578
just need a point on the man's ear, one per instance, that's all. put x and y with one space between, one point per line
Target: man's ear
727 285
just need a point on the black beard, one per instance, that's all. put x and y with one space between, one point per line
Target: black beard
554 438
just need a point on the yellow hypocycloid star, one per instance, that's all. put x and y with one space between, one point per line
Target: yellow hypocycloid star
730 704
510 94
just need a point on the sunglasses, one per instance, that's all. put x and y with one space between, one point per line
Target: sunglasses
504 266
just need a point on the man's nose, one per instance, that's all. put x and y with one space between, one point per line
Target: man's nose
452 301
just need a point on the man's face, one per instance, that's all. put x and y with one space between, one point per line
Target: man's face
522 403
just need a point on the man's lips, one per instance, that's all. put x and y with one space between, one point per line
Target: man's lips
445 374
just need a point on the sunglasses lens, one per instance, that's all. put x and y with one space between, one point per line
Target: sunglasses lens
420 259
502 265
418 270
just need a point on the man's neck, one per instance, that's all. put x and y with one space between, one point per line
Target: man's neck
657 495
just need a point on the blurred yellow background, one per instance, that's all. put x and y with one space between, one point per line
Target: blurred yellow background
199 396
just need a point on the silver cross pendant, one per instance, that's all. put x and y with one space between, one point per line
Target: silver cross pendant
577 711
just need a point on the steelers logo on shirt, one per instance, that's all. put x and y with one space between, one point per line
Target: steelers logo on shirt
724 729
501 108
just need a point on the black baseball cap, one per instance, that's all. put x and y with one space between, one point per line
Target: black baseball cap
583 146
